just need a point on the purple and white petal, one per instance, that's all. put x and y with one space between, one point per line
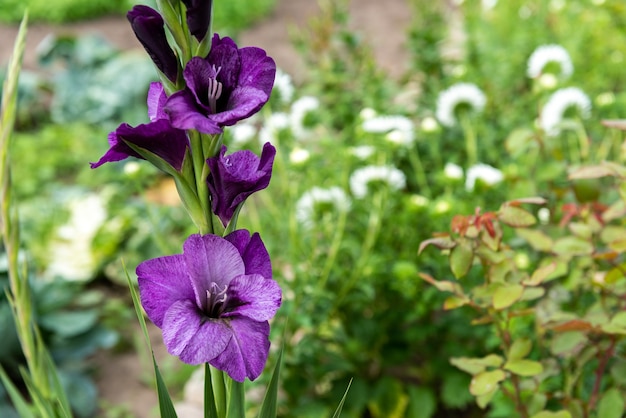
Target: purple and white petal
156 102
247 351
162 282
183 111
254 297
253 252
189 335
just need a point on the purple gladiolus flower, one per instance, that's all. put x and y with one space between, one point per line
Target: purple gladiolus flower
149 29
214 301
228 85
236 176
158 136
198 17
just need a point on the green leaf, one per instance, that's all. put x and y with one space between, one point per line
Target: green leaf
541 274
486 382
536 239
476 365
483 400
269 406
422 402
524 367
567 342
519 349
552 414
16 397
337 413
236 400
506 295
166 407
515 216
70 323
210 410
611 404
572 246
461 258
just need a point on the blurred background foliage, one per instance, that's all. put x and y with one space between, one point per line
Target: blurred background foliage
355 307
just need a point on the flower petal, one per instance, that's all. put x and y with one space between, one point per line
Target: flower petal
196 339
253 252
243 102
247 350
224 55
210 259
254 297
184 114
162 282
257 69
156 102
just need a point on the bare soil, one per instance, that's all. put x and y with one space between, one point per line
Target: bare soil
382 24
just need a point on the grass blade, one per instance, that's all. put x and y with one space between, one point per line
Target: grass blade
210 410
166 406
269 407
20 404
343 399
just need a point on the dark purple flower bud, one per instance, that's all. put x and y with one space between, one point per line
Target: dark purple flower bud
236 176
229 85
158 136
149 28
212 304
198 17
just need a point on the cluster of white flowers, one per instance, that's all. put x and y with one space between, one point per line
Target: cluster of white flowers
242 133
361 178
363 152
546 54
283 85
486 173
552 112
460 93
305 207
71 255
299 110
453 171
277 122
399 129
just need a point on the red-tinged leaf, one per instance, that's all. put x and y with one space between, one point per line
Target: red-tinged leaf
461 259
443 243
535 200
572 325
442 285
515 216
591 172
615 123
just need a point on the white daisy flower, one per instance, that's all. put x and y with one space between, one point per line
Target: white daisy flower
399 129
546 54
242 133
552 112
299 110
71 255
363 152
367 113
362 177
486 173
453 171
306 205
429 124
284 86
460 93
298 156
273 125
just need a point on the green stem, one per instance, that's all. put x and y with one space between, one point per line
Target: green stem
373 228
201 172
210 410
334 249
219 390
420 174
470 139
